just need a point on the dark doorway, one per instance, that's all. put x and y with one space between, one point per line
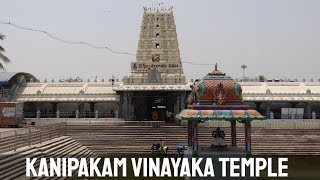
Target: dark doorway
154 106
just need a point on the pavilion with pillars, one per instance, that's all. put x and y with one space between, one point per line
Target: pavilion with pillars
218 97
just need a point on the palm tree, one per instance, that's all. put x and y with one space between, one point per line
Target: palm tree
4 58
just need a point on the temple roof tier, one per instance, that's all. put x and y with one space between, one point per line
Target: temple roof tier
227 115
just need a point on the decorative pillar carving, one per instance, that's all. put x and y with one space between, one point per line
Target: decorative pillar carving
194 135
233 133
189 133
248 136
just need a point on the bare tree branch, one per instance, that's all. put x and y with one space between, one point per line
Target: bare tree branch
2 36
2 49
4 58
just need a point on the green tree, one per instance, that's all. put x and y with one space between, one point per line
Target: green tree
262 78
3 58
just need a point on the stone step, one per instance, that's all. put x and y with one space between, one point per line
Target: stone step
59 147
14 156
109 139
20 167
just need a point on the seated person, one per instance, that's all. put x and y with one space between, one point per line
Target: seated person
218 137
180 149
163 147
155 146
165 150
218 133
159 147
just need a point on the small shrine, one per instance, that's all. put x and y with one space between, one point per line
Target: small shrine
218 97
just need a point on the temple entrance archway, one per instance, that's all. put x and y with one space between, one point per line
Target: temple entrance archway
156 106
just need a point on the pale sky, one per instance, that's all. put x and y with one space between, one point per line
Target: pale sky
276 38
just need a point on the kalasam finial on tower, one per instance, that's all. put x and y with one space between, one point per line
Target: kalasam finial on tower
216 71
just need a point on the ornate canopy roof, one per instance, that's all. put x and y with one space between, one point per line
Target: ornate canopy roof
192 114
217 97
216 88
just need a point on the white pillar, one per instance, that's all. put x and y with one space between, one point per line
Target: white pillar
117 114
271 115
38 114
97 114
77 114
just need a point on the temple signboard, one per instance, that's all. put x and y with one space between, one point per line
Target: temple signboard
144 66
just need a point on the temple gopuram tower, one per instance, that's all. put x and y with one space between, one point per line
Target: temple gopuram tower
156 88
158 57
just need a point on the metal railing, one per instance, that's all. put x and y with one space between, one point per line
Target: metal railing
270 124
76 128
71 114
277 115
118 123
11 140
110 114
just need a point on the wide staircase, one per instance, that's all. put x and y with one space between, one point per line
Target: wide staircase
13 163
126 140
109 140
286 142
115 140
